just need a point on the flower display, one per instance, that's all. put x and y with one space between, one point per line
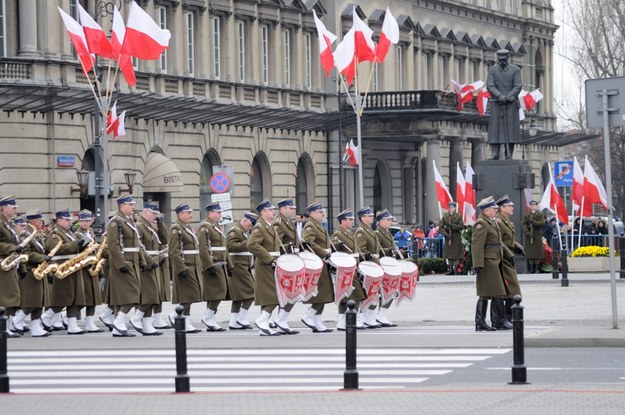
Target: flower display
591 251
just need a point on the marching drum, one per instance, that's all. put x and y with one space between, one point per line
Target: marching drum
290 277
392 278
343 277
408 281
313 265
371 275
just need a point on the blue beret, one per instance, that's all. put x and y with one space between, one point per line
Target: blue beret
314 207
346 214
9 200
183 207
365 211
265 204
213 207
287 203
85 215
63 214
252 217
125 199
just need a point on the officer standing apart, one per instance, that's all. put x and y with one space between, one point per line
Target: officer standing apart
318 239
9 244
487 254
504 85
451 226
531 226
369 247
387 243
242 281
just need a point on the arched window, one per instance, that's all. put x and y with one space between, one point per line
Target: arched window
304 184
381 187
211 159
538 76
260 182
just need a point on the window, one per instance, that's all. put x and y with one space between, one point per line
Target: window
135 63
216 47
399 79
190 42
162 22
376 78
502 6
287 57
3 29
308 40
241 50
461 71
442 70
264 31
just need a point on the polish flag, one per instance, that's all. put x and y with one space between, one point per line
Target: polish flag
351 153
444 197
121 127
112 120
593 188
531 98
461 185
77 36
482 101
144 38
466 92
527 196
388 36
470 213
117 40
326 38
344 57
577 194
97 41
553 201
364 48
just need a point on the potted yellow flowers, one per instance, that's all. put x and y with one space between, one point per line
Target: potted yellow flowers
590 259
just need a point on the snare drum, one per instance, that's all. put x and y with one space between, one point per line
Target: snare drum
290 277
408 281
371 274
313 265
392 278
343 278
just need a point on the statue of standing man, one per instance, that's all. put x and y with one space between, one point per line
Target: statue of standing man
504 85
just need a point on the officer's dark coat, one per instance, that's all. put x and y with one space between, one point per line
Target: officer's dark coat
316 235
531 226
186 289
504 124
262 242
242 281
487 253
451 226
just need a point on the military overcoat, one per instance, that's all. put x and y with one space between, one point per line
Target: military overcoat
150 278
93 294
35 293
71 289
213 253
242 281
387 243
351 248
319 240
9 280
368 242
287 232
184 254
531 226
165 272
509 270
451 226
487 253
264 243
504 124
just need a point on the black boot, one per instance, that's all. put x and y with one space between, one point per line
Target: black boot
480 316
494 152
498 315
450 270
508 302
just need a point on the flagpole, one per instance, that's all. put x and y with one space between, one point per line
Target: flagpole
581 222
361 186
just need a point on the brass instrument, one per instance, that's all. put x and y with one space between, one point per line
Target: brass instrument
99 261
80 261
13 260
43 269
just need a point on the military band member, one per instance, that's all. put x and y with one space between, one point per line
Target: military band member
487 253
185 264
9 244
107 315
242 281
318 239
290 244
388 247
216 265
164 273
451 226
531 226
344 241
70 291
369 246
150 277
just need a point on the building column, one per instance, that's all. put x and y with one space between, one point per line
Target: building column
477 149
28 28
433 153
455 158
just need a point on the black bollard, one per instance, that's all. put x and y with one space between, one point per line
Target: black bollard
565 270
554 260
4 377
350 376
519 371
621 249
182 378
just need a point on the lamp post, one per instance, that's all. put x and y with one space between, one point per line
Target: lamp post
129 176
83 178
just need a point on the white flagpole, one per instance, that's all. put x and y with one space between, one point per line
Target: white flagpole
581 222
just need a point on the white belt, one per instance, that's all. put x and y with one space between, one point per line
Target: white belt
375 255
296 250
218 249
276 254
354 255
241 254
152 252
190 252
327 251
131 249
60 257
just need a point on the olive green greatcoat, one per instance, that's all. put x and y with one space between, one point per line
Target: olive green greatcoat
186 289
213 253
124 287
150 278
351 247
319 240
531 226
264 243
487 253
165 272
509 270
368 242
387 243
9 280
242 281
287 232
35 293
71 289
93 294
451 226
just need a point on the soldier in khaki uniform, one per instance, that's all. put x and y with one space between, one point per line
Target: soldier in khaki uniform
318 239
9 244
531 226
451 226
164 273
242 281
387 244
185 264
264 243
487 253
369 246
344 241
216 264
150 277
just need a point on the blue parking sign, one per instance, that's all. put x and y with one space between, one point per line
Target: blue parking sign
564 173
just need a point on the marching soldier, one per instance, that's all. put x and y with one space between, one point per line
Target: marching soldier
186 266
9 244
531 226
290 244
369 246
216 264
108 313
70 291
164 273
344 241
264 243
242 281
451 226
318 239
150 277
388 247
487 253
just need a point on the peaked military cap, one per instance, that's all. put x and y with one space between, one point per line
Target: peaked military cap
8 201
153 206
346 214
183 207
63 214
314 207
125 199
504 201
34 214
213 207
265 204
487 202
85 214
287 203
365 211
252 217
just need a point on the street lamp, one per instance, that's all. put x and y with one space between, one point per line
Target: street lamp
129 176
83 178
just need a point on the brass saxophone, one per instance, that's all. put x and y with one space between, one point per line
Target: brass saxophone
43 269
99 261
80 261
15 259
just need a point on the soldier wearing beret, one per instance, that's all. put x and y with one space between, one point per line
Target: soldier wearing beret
451 226
531 226
369 246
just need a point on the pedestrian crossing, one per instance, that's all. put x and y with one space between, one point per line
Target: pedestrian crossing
231 370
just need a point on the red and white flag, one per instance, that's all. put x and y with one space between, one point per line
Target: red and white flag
528 196
144 38
593 188
344 57
465 92
461 185
97 41
469 212
114 123
389 36
442 193
482 101
553 201
326 38
531 98
117 40
351 154
364 48
578 192
77 36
